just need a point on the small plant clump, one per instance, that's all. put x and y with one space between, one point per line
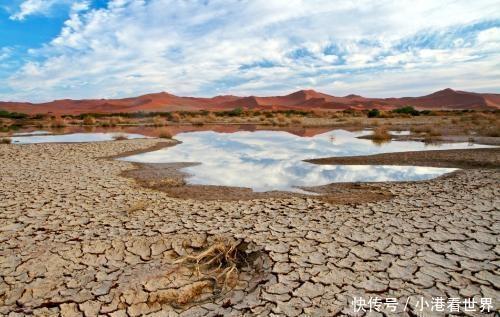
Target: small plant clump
6 141
89 120
120 137
196 121
159 121
58 122
12 115
175 117
165 134
381 134
407 110
113 121
211 117
374 113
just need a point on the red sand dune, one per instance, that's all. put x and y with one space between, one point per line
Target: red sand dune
447 99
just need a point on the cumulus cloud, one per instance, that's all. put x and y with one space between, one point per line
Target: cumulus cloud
265 47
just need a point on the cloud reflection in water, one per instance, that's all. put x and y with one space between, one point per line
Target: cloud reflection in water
273 160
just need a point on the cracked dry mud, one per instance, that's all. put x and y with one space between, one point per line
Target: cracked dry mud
76 239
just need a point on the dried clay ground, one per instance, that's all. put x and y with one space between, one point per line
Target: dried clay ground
78 239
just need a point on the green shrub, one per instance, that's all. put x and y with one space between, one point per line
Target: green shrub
12 115
407 110
236 112
374 113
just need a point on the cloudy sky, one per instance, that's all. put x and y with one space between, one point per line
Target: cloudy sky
54 49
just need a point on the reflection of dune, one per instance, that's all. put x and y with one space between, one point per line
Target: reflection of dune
73 138
181 128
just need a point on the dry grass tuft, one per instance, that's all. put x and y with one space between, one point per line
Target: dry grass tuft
120 137
417 129
6 140
176 117
196 121
381 134
159 121
116 120
211 117
89 120
165 134
492 130
58 122
434 132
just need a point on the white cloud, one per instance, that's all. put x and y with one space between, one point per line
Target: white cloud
44 7
209 47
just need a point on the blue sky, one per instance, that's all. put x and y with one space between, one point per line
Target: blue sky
54 49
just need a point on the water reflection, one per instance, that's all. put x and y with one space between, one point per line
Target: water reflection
71 138
35 132
273 160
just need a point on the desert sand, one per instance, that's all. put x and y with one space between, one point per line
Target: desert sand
302 100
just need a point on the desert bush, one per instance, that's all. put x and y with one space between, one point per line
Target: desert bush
113 121
12 115
105 123
211 117
434 132
490 130
281 118
196 121
159 121
58 122
427 113
175 117
165 134
6 140
235 112
374 113
381 134
89 120
386 114
416 129
407 110
120 137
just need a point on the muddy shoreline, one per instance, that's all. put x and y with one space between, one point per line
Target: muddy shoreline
464 159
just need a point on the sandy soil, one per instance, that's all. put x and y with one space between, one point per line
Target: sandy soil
78 239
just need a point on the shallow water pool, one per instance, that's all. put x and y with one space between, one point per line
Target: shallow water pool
273 160
71 137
